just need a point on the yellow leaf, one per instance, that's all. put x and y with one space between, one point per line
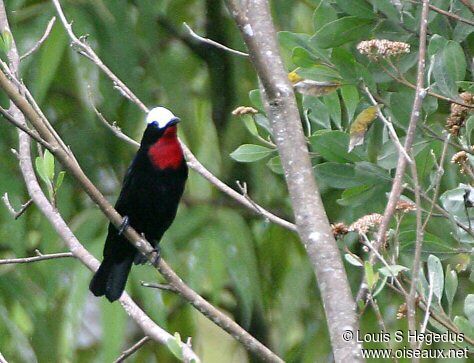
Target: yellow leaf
360 125
294 77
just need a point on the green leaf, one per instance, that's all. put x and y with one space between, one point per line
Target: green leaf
250 124
352 260
323 14
469 129
334 107
248 153
453 201
303 58
432 245
436 276
387 8
346 64
370 276
388 156
317 111
380 287
393 271
448 68
342 31
256 99
175 346
318 72
350 96
59 180
332 146
338 176
48 165
262 121
289 40
275 165
450 286
6 41
51 53
469 308
437 43
41 170
358 8
464 326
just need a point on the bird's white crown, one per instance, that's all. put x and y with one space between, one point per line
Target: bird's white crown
161 115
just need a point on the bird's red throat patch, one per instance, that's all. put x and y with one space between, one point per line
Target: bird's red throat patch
166 152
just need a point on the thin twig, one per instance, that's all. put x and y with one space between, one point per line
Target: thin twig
87 51
428 306
388 123
50 212
434 135
255 22
41 41
111 126
402 162
16 214
437 181
216 315
39 257
468 4
451 15
127 353
213 42
32 133
165 287
415 116
380 320
415 271
74 169
405 82
371 247
196 165
193 162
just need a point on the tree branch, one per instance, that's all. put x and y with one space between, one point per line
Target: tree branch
193 162
414 118
149 327
213 43
15 214
127 353
66 158
41 41
255 23
39 257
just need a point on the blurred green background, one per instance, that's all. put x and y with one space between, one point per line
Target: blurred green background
255 271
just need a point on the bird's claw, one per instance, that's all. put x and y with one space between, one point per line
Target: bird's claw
123 226
156 255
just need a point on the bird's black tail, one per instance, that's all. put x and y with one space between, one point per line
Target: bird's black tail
111 277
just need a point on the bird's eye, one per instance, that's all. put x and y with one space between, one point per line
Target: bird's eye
154 123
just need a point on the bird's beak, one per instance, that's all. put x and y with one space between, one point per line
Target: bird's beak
174 121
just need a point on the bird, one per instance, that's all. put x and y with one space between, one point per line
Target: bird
152 188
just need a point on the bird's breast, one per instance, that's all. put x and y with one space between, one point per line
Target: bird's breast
166 154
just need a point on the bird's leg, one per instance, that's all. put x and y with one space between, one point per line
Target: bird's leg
123 226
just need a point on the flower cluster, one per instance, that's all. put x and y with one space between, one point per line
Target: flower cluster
339 230
365 223
404 206
459 113
243 110
461 159
382 48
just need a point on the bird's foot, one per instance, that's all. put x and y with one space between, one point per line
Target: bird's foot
123 226
156 255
